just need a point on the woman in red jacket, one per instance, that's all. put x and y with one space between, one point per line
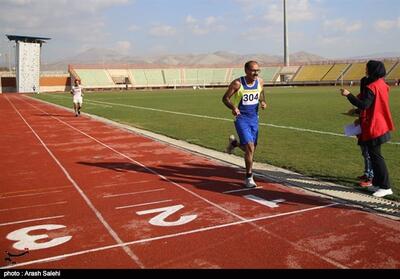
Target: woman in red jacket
376 124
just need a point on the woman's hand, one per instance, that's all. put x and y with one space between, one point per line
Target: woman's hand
344 92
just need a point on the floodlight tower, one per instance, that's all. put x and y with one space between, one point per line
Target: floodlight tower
285 35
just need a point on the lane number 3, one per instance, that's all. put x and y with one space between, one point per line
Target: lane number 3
25 240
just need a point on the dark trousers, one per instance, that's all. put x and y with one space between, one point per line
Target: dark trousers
368 171
381 174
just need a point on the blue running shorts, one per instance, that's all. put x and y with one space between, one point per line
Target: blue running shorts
247 129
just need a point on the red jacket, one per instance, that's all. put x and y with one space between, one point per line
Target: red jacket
377 120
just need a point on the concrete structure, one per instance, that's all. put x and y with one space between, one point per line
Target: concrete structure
27 63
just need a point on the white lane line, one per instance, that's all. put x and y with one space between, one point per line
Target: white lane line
29 195
36 190
64 256
31 220
86 101
32 206
142 204
184 189
123 184
259 200
80 191
133 193
242 190
143 166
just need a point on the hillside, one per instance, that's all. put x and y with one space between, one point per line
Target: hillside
219 58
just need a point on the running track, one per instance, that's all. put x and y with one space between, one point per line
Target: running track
79 193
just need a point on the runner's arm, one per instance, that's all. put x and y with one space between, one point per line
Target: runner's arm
226 99
262 95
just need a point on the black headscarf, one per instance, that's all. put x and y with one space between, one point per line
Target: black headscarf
376 70
364 82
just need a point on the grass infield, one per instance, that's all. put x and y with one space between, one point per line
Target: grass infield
300 130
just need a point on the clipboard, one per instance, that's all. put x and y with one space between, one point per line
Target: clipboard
352 130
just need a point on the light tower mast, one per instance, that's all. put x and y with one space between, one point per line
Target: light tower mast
285 35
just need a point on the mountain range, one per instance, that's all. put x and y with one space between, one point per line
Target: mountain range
220 58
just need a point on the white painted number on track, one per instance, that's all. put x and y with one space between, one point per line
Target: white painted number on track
159 220
25 240
262 201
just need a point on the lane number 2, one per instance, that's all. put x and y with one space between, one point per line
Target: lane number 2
159 220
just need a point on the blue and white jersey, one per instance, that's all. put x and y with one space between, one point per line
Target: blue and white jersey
246 99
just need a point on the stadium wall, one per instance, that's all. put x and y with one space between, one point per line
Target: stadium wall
285 76
8 84
54 84
51 83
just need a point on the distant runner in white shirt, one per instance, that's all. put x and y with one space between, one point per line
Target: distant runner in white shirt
77 94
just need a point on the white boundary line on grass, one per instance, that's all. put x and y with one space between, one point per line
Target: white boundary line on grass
230 120
219 118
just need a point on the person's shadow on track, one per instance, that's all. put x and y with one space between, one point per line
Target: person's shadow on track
216 178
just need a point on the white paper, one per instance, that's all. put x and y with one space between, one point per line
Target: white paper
352 130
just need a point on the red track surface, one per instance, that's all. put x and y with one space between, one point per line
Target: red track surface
80 193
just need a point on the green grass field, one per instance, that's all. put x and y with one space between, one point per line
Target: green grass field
199 117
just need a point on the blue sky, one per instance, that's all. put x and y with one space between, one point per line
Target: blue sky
330 28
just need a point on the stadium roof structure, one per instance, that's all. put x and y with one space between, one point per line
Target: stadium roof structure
27 39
